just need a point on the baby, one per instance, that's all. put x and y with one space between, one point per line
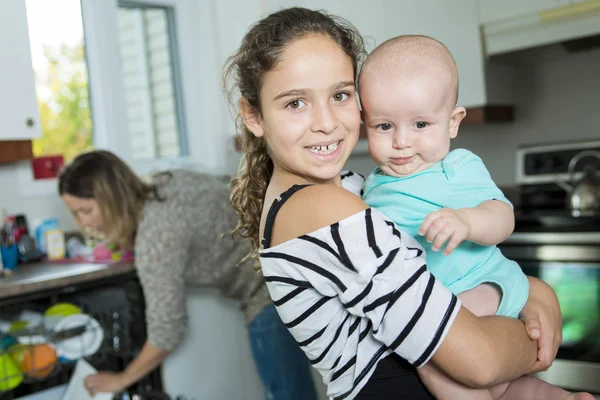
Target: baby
446 199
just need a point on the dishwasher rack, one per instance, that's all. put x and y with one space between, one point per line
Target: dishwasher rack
113 322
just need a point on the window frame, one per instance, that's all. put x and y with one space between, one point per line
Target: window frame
174 55
207 118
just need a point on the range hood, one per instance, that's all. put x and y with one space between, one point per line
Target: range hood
577 25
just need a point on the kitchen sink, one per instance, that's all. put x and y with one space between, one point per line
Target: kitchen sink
40 272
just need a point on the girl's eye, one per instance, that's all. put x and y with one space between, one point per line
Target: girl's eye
340 96
421 125
295 104
384 126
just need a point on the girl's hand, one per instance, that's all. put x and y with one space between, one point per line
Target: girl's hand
543 321
444 225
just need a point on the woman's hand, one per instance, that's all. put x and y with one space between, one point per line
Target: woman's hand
105 382
543 321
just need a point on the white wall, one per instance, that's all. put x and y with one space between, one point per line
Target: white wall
19 194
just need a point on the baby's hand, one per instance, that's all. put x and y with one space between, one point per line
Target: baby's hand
445 225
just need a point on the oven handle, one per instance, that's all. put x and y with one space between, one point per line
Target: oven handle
581 238
554 253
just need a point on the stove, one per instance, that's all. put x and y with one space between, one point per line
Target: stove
562 250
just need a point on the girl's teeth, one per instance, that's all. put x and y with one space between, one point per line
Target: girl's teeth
324 150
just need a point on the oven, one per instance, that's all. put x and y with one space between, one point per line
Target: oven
570 264
564 251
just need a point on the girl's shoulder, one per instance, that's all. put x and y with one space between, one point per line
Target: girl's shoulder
313 208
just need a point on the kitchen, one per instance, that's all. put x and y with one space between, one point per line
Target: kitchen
554 92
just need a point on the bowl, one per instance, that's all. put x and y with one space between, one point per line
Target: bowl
10 374
62 309
38 361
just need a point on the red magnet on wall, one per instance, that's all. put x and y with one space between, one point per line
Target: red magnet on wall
47 167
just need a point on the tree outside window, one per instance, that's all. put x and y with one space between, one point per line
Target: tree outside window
61 77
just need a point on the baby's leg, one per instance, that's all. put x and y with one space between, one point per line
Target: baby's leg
481 300
530 388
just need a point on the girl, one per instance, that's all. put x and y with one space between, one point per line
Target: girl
176 225
352 289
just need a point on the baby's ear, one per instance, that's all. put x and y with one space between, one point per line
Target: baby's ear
457 116
251 117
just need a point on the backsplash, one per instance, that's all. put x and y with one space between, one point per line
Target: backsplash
37 200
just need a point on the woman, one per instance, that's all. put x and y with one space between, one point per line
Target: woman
351 288
178 225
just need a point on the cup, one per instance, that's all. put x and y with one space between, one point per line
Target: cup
10 256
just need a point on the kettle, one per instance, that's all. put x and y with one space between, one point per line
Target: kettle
583 198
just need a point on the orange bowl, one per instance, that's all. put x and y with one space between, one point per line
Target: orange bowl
38 361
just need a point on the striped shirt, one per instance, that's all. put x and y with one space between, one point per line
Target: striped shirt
353 292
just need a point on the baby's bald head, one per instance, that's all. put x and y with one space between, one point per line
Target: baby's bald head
410 56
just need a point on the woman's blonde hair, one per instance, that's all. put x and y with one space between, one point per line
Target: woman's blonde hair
119 192
245 72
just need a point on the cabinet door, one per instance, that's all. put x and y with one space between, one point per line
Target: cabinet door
18 106
494 10
453 23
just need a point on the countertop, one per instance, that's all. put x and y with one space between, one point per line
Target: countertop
36 277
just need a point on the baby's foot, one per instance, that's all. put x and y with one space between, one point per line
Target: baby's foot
579 396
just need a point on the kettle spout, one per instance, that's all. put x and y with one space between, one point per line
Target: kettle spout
563 184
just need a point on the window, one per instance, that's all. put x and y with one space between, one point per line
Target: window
61 77
151 79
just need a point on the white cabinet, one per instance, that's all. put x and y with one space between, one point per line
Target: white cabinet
18 106
455 24
513 25
494 10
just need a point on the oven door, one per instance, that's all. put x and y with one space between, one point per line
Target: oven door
570 264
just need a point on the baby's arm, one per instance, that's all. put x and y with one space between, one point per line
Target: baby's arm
488 224
475 209
491 222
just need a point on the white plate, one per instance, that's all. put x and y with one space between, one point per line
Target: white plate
82 345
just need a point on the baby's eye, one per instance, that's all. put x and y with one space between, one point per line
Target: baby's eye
340 96
384 126
295 104
421 125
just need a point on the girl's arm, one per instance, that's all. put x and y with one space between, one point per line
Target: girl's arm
500 346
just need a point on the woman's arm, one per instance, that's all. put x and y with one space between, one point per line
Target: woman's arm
108 382
149 358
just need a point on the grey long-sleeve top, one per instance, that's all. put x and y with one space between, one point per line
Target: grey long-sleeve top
186 240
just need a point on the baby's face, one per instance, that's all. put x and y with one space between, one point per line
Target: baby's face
409 121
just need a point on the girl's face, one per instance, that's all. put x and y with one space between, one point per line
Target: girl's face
87 211
310 117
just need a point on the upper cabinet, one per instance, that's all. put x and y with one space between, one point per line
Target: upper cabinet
455 24
511 25
494 10
18 106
